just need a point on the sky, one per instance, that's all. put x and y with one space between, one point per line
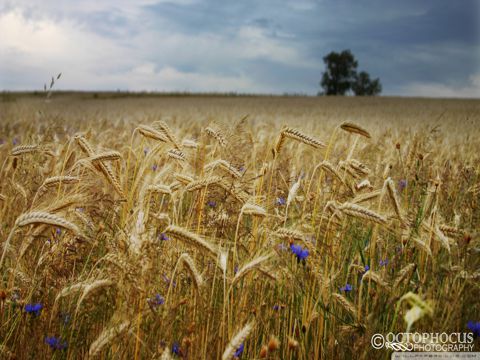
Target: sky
416 47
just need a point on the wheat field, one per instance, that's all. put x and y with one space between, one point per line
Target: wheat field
210 227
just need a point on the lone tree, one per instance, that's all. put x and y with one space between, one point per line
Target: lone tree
341 76
364 86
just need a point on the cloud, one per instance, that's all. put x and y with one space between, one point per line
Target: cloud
471 90
206 45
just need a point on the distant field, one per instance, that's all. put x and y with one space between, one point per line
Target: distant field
205 227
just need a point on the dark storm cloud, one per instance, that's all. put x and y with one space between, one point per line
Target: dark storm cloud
278 46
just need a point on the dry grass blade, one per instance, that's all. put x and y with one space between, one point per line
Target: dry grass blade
237 340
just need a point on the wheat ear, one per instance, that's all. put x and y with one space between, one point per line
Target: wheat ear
237 340
107 336
362 213
354 128
191 238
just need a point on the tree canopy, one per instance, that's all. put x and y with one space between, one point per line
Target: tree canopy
341 77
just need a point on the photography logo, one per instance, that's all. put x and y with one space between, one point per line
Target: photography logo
427 342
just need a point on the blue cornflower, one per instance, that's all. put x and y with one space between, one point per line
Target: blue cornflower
239 351
56 343
58 231
158 300
281 201
301 253
235 269
164 237
474 327
276 307
346 288
367 267
212 203
402 184
154 167
384 262
241 168
15 141
34 309
176 348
